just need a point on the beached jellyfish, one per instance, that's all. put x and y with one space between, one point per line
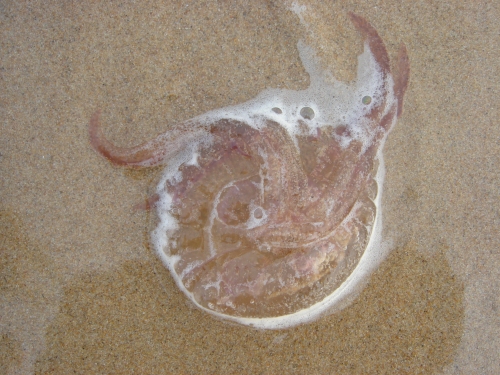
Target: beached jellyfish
268 210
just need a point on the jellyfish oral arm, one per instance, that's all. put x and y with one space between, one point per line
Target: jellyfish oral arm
148 154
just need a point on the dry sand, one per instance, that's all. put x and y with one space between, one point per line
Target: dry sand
82 292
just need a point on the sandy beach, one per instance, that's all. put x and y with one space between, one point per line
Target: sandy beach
82 290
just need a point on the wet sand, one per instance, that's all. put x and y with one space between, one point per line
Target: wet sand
82 291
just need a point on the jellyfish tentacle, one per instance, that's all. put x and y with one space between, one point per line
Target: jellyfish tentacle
401 77
148 154
377 46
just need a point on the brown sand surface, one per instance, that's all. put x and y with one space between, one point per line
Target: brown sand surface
82 291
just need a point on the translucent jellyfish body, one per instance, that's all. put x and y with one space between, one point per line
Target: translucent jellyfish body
268 211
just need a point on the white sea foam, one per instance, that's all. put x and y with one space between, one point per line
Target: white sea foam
333 103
